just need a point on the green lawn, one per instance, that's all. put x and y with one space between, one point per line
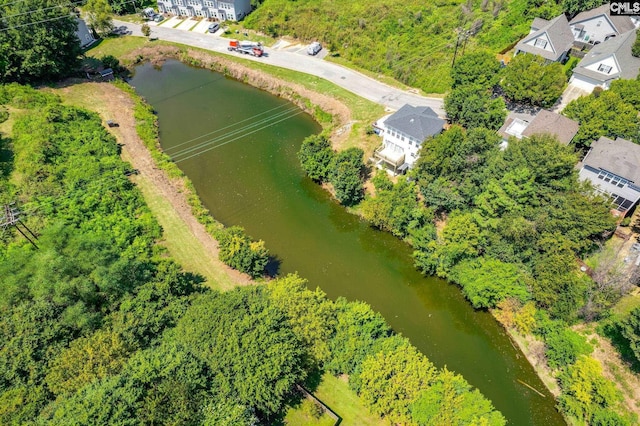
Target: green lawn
307 414
336 394
116 46
178 239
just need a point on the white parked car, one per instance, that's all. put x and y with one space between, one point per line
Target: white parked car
314 48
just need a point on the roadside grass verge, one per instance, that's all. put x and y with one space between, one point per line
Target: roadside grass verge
116 46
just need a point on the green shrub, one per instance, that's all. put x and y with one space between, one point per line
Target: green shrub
238 251
564 346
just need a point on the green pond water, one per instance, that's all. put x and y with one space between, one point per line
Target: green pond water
238 145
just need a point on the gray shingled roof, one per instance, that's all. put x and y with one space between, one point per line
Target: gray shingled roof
620 48
538 23
621 157
547 122
622 24
418 122
559 35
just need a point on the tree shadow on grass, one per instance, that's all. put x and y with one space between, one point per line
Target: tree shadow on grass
613 332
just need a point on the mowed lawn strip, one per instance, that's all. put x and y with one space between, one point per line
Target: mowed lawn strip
178 239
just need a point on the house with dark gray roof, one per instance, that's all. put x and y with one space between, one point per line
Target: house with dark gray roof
613 167
544 123
608 61
84 34
598 25
403 133
550 39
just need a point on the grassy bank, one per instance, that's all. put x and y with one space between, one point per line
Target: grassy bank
177 237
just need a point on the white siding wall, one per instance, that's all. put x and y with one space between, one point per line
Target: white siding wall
602 66
542 39
409 146
584 83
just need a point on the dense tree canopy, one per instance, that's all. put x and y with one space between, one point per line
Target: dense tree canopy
612 113
37 41
346 175
315 155
240 252
471 106
529 79
478 69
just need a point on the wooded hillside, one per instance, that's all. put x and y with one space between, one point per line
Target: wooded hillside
99 326
413 41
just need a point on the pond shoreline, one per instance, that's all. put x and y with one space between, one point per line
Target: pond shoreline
306 99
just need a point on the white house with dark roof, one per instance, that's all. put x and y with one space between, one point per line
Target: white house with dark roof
608 61
402 135
597 25
223 10
550 39
613 167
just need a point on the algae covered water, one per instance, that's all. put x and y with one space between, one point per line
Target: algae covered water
238 145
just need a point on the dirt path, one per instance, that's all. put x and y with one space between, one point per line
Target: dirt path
113 104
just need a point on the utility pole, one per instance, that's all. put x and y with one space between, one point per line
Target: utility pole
11 217
464 35
455 52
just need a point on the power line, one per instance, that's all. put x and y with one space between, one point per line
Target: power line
236 138
67 15
233 133
13 2
226 127
46 8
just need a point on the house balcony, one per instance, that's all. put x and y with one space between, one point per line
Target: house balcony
390 159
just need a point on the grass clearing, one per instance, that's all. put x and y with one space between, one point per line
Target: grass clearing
307 414
116 46
337 395
183 247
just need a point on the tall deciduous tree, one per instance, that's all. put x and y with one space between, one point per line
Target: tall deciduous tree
471 106
37 41
392 381
450 400
480 69
529 79
99 16
345 175
604 114
247 344
315 156
631 331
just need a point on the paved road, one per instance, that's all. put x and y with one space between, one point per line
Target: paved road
350 80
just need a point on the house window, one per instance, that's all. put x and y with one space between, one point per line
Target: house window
540 43
613 179
605 68
599 23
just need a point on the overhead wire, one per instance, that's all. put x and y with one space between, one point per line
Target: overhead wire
70 4
66 15
236 138
226 127
260 123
